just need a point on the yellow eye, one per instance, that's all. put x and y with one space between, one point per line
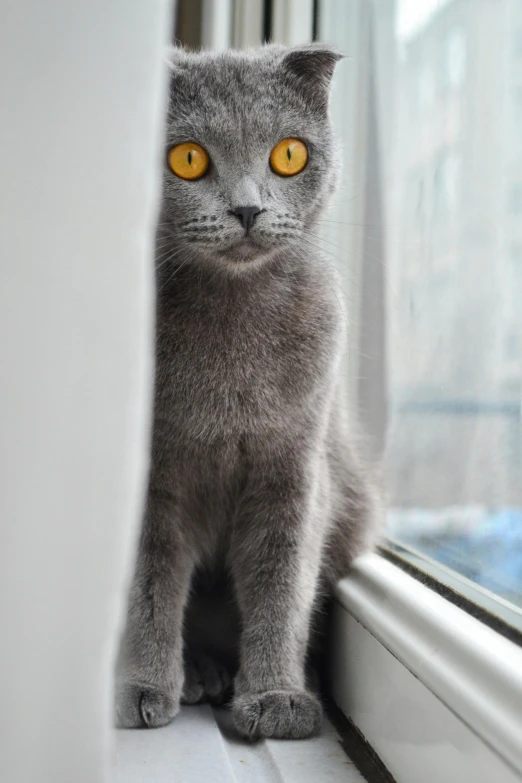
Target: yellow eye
289 157
188 160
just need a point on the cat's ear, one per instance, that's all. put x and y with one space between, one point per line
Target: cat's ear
176 58
312 67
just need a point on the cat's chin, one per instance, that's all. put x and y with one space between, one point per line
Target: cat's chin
245 253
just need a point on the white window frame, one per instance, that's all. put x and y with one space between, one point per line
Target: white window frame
231 23
292 21
217 24
247 23
429 686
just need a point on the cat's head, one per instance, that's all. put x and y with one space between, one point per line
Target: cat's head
251 159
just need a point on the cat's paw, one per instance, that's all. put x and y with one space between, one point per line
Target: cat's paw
280 714
205 680
141 706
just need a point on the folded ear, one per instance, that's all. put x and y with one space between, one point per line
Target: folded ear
176 58
312 67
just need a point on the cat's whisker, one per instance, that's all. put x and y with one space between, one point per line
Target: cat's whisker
166 256
336 274
323 239
170 257
365 254
173 275
380 259
336 258
356 225
163 247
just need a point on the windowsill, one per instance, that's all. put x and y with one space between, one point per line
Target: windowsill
200 746
429 686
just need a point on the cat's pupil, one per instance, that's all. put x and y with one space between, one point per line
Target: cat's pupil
189 158
288 153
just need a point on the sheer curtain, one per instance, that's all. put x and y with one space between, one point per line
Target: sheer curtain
81 93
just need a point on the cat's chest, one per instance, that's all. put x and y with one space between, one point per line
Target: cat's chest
235 365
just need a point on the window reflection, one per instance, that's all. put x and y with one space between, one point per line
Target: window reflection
455 274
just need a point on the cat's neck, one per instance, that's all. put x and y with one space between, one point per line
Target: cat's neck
207 276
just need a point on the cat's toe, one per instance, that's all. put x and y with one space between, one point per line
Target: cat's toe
141 706
205 680
156 708
193 690
278 714
217 681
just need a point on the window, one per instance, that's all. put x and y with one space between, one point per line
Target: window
453 380
449 361
446 185
512 345
514 199
455 61
425 89
517 43
455 368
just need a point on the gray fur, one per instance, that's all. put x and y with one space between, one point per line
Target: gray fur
258 500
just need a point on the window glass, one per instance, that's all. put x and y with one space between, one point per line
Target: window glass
454 449
443 211
455 57
425 88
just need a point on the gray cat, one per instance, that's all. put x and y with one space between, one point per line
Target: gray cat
258 500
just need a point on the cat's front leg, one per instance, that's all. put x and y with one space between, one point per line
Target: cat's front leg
150 674
276 557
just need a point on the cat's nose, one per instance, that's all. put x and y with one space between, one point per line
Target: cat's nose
246 215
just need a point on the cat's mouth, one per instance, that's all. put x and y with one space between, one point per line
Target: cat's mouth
244 249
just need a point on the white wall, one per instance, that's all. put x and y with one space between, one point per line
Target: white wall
80 92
